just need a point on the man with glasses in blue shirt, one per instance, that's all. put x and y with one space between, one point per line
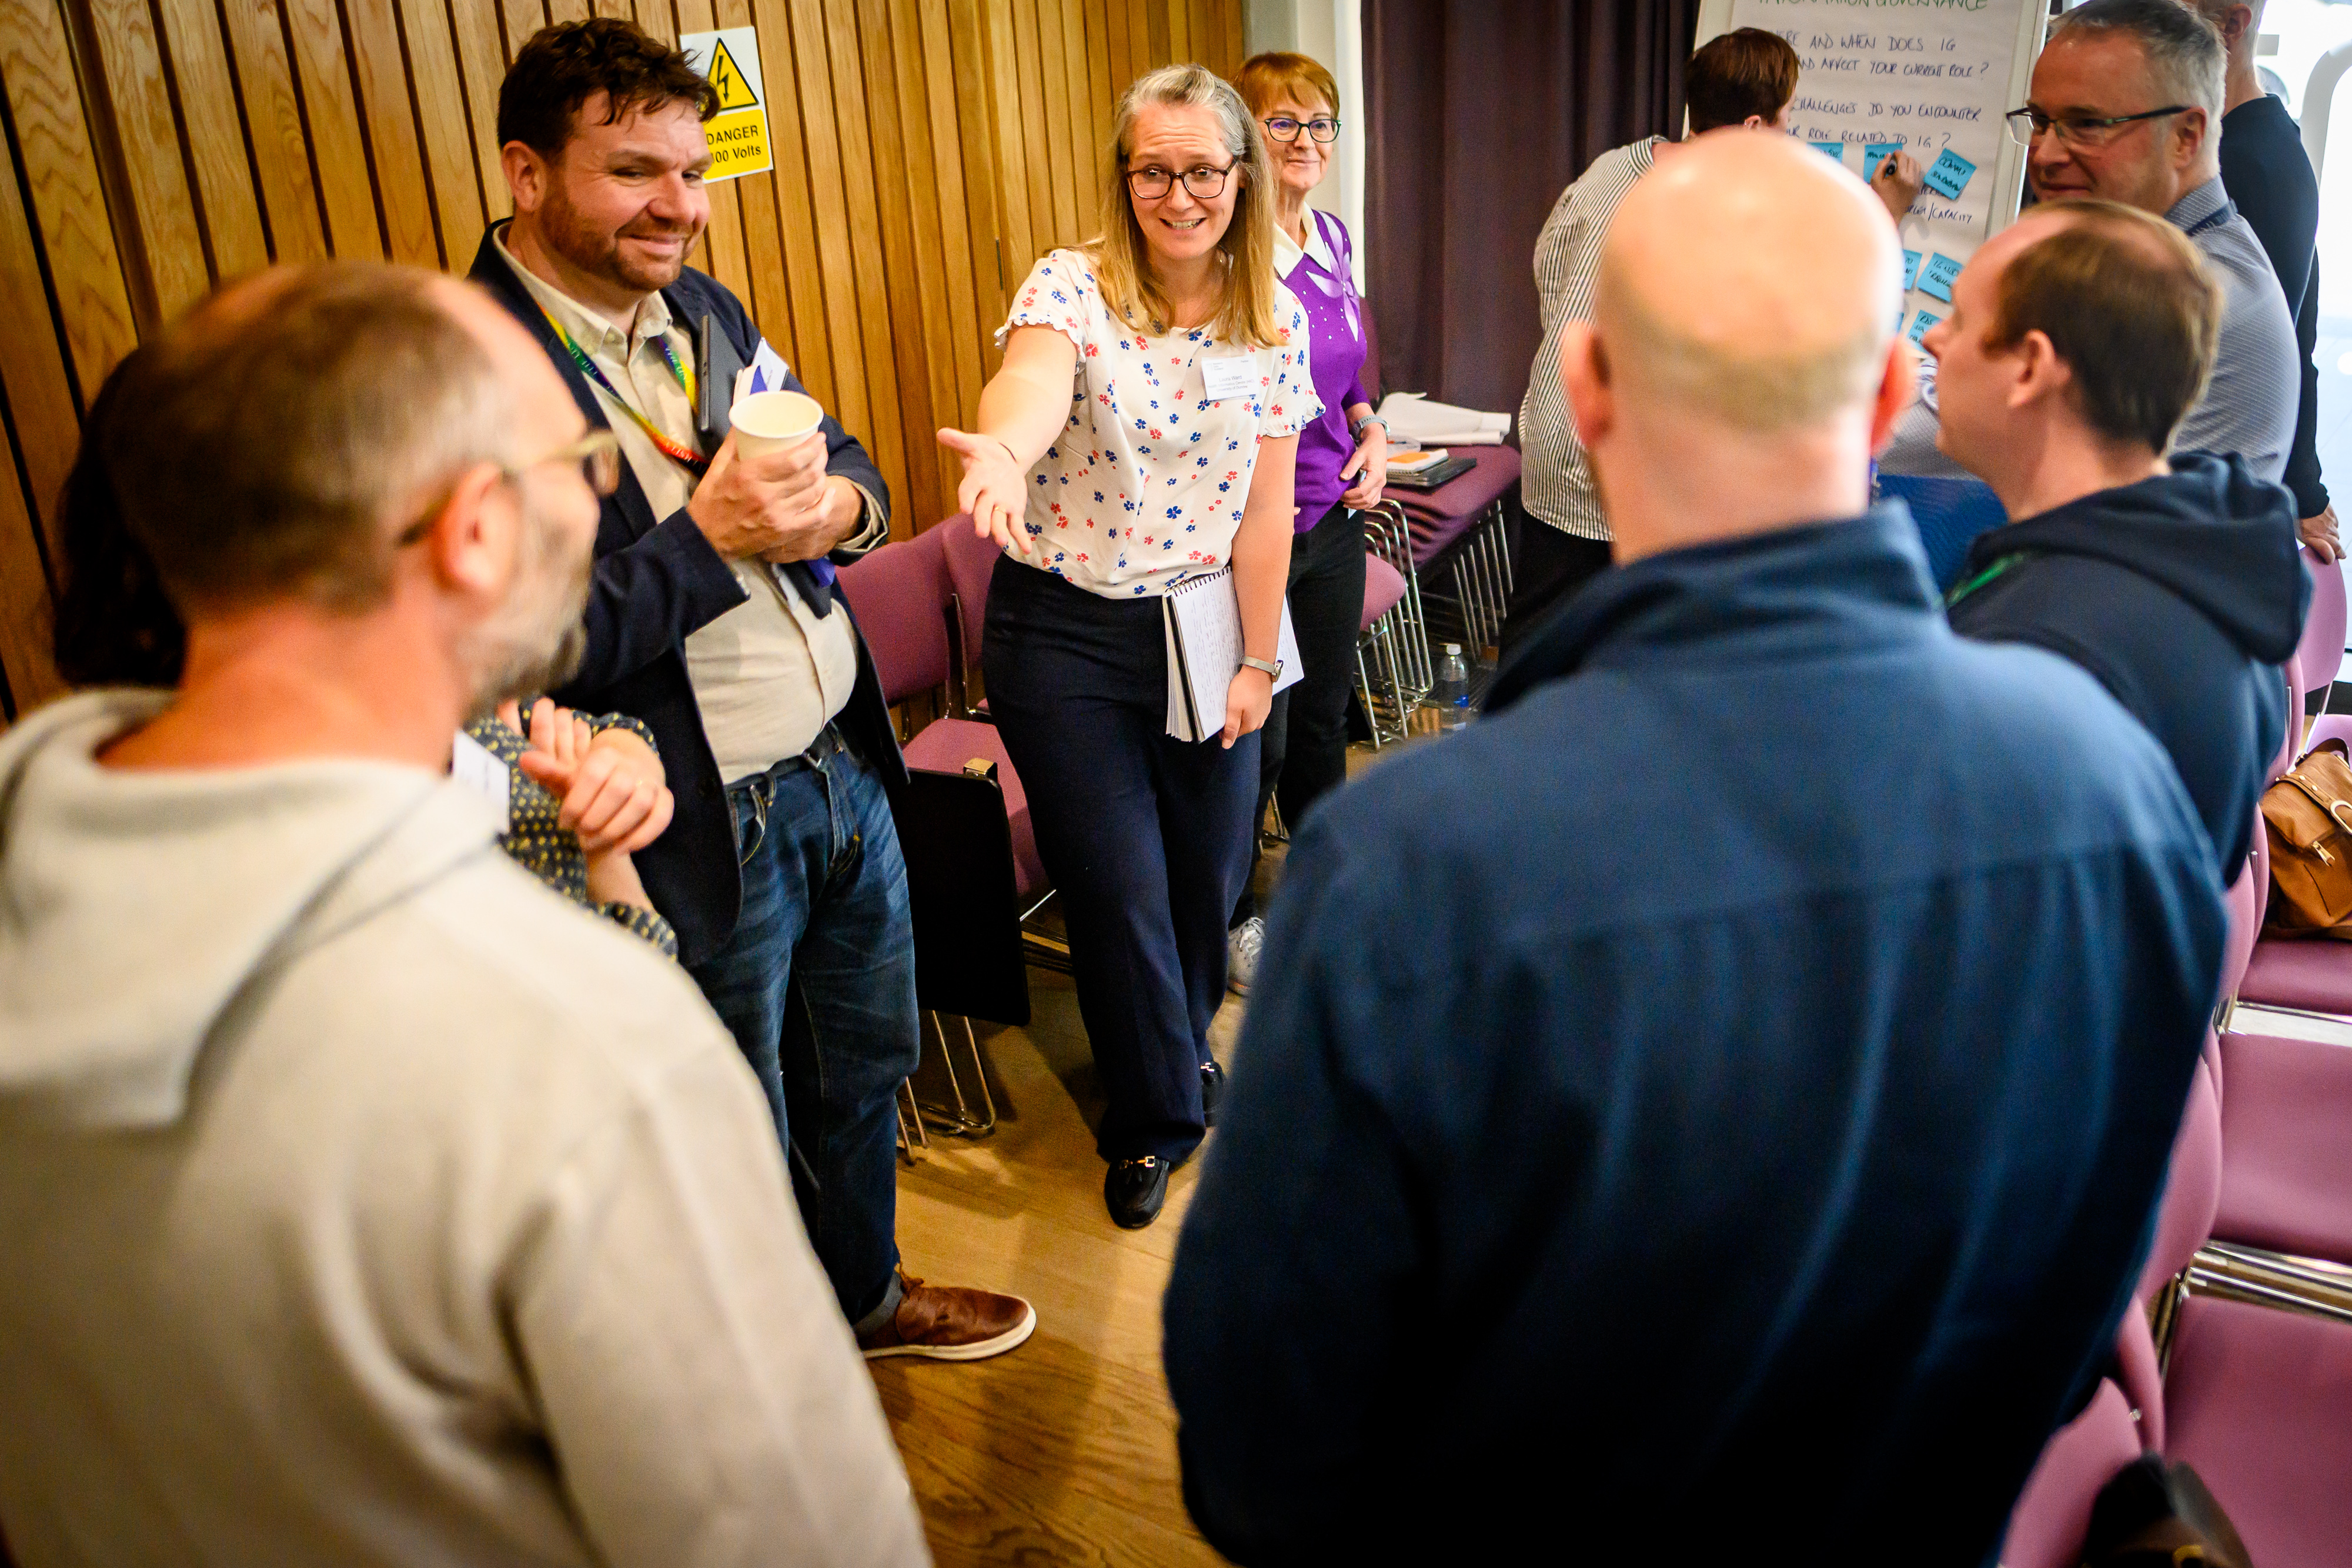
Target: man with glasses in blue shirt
2126 105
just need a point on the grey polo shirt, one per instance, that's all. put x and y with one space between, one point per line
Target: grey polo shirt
2249 408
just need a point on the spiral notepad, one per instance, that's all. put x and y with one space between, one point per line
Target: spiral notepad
1202 616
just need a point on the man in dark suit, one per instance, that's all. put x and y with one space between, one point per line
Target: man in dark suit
713 619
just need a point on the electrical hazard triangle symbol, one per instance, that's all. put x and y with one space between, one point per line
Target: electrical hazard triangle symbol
733 91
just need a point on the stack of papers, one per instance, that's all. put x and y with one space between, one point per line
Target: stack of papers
1203 617
1425 424
1418 461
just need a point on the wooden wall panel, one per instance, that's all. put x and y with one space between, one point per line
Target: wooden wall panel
927 151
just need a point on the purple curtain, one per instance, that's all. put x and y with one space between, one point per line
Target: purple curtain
1481 112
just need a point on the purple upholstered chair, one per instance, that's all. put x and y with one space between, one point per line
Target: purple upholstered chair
972 866
2259 1399
2192 1188
2054 1511
971 563
1462 521
2321 652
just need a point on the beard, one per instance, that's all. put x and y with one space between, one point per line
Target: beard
594 249
538 640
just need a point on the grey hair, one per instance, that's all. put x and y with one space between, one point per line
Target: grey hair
2184 50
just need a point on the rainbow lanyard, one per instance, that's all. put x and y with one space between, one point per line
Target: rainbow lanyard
670 449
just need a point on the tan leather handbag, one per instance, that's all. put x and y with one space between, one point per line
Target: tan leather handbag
2308 817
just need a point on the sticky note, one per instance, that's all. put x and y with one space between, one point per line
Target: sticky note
1935 278
1950 175
1833 150
1910 270
1876 153
1919 325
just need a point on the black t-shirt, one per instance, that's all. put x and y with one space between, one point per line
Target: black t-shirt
2266 171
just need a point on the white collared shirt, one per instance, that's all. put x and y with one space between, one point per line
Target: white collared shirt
769 673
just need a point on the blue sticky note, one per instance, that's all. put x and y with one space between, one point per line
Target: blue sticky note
1935 278
1876 153
1910 270
1833 150
1950 175
1919 325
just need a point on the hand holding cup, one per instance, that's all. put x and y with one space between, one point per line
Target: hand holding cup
764 492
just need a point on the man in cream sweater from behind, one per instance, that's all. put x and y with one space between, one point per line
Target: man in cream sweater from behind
361 1201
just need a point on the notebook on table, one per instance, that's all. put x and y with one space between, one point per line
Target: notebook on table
1203 617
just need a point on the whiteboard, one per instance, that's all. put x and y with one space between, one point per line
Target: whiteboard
1933 77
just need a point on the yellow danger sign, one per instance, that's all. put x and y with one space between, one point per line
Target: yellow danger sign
729 59
734 92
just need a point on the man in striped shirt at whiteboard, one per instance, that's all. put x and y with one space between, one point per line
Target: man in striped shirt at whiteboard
1746 77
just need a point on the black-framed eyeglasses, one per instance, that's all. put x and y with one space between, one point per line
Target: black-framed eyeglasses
1150 184
1282 128
2079 129
598 454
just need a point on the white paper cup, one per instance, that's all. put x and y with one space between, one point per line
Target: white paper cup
771 420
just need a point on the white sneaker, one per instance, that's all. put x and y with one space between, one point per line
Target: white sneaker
1242 944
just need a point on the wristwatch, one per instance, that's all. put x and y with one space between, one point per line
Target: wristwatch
1273 667
1356 430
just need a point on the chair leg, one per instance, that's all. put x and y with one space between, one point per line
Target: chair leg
961 1123
900 1098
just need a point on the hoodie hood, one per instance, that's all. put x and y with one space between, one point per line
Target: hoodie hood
136 907
2209 531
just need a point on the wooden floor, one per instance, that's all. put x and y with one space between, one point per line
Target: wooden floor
1064 1451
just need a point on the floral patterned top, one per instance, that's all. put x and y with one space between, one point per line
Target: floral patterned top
1146 484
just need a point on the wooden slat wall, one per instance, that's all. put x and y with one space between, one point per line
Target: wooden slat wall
927 151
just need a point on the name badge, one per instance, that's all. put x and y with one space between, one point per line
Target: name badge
472 764
1235 376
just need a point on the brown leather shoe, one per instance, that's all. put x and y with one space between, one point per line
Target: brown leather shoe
950 1322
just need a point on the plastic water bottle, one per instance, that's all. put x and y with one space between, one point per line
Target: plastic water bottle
1452 693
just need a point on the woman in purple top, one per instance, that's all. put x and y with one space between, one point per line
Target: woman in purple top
1342 461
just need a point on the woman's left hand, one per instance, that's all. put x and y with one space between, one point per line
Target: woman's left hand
1247 702
610 786
1371 461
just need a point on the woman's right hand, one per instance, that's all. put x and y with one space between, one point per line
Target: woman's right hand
994 490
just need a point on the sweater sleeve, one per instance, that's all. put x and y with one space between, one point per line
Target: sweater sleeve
1291 1306
2303 472
703 1397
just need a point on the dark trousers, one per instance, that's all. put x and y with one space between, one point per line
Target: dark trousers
1551 564
817 985
1304 755
1145 839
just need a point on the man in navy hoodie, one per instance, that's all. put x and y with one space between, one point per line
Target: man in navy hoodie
2078 340
1714 1106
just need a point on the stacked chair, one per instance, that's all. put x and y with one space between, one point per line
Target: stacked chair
2236 1356
1393 669
2256 1330
1463 525
973 872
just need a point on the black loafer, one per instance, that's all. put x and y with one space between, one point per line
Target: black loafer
1212 1090
1134 1190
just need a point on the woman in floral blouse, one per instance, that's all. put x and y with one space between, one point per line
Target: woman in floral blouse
1143 432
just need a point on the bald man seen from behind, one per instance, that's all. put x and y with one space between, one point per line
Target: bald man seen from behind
1720 1097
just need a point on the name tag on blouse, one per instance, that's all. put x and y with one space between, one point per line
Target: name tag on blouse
1234 376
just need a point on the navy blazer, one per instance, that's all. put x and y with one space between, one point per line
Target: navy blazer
658 582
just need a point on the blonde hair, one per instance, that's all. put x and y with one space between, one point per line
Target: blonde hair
1245 314
1266 79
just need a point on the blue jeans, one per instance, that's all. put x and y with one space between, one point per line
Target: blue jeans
817 985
